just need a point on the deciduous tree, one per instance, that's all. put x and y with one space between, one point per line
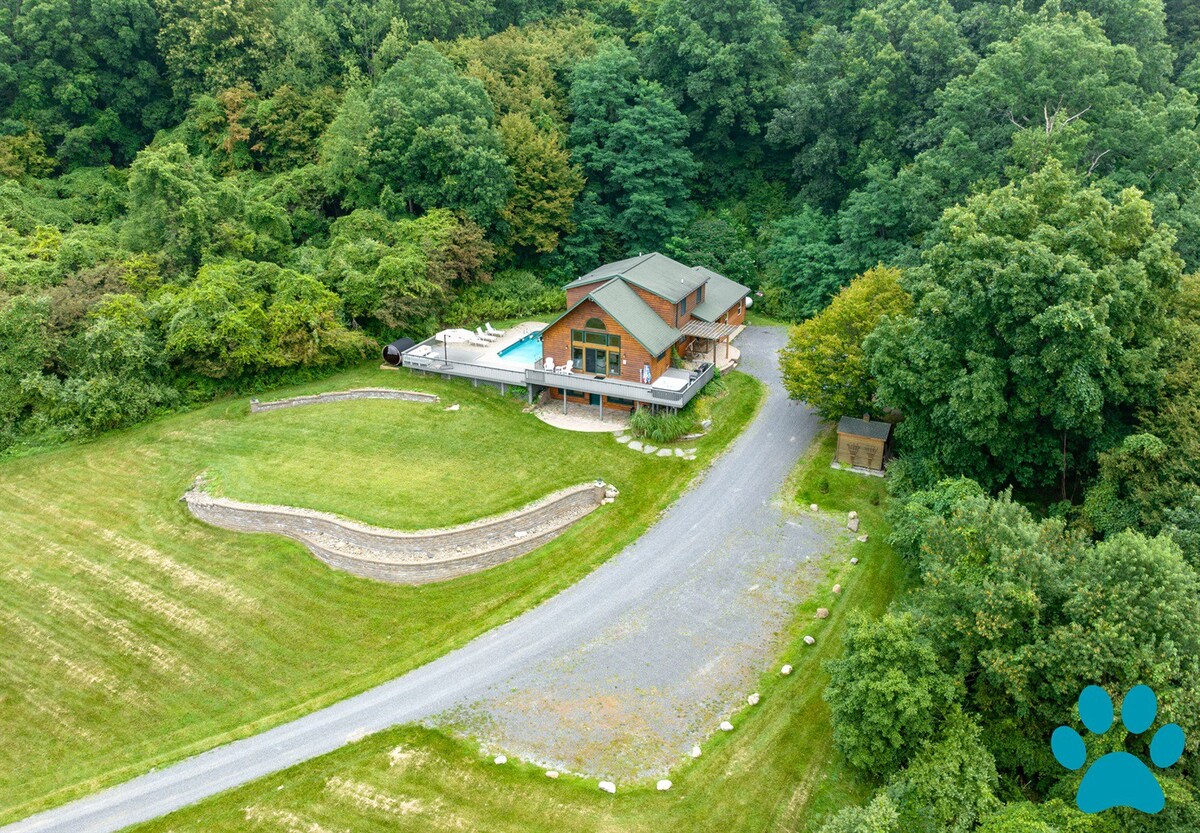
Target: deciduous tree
824 363
1038 320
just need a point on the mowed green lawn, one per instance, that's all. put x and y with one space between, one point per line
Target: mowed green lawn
132 635
777 771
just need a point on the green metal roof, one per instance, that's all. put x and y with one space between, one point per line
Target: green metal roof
654 272
720 294
632 313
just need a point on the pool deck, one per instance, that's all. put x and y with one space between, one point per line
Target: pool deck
482 363
489 356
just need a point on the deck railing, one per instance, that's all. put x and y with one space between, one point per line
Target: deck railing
575 381
585 383
437 363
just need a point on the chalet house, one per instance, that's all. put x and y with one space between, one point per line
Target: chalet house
614 347
625 321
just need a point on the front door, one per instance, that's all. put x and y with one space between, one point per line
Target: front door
594 399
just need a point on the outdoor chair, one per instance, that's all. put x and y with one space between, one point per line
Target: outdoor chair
493 331
484 337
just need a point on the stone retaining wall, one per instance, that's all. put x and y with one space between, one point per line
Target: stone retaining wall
340 396
406 557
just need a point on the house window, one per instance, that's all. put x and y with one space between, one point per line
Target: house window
597 353
698 296
595 324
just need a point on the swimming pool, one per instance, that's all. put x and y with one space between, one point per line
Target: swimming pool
526 351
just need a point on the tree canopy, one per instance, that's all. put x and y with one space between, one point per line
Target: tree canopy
1039 314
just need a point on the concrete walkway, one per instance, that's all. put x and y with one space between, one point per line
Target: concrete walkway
727 517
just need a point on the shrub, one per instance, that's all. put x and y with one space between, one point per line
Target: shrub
661 427
510 294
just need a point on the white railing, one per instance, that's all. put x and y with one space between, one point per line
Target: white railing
575 381
584 383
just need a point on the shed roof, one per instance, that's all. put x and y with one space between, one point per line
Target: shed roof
654 272
871 428
720 293
632 313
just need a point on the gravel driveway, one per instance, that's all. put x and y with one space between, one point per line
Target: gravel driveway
618 674
702 595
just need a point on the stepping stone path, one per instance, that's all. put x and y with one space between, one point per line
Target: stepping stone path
664 785
609 787
646 448
787 669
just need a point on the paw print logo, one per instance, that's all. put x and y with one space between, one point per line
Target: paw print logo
1118 779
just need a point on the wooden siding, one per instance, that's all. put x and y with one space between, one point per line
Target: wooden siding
664 308
556 343
737 313
578 293
864 452
584 399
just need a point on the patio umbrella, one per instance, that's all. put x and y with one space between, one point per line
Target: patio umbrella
456 336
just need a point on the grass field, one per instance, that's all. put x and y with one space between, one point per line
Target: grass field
132 635
776 772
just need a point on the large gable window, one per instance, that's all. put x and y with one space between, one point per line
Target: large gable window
595 351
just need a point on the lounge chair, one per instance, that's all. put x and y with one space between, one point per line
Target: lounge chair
484 337
492 331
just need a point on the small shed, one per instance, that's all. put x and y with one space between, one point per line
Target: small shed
394 351
863 443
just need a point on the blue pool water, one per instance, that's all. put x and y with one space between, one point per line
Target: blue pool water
526 351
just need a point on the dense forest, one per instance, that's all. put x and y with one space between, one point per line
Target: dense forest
985 212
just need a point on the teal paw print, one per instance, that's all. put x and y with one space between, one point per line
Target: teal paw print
1118 779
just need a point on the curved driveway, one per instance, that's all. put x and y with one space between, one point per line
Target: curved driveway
690 546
